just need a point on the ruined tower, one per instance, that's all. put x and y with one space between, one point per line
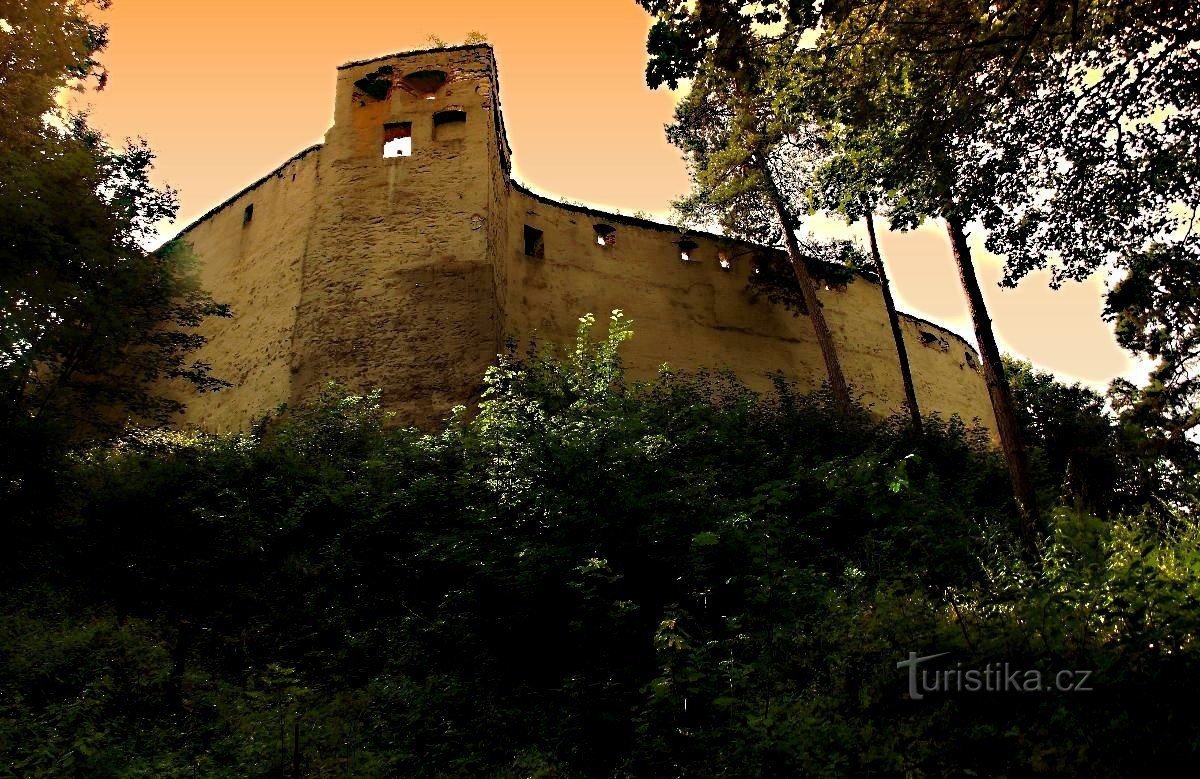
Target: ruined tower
399 289
400 254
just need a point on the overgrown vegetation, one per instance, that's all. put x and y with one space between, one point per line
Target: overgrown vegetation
89 318
586 577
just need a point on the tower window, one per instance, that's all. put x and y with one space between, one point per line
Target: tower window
248 214
449 124
606 235
724 260
535 246
397 139
686 248
426 83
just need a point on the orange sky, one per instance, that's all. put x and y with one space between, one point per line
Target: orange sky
225 90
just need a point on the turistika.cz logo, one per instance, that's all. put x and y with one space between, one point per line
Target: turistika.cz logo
993 677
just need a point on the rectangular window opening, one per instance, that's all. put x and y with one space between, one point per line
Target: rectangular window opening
449 124
248 214
397 139
535 246
687 249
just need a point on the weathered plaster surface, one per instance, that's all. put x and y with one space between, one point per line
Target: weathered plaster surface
409 273
256 268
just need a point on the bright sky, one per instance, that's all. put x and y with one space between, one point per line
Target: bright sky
226 90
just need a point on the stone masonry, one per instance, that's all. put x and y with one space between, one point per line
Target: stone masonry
401 255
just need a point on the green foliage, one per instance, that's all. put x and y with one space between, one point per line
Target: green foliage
1095 457
1068 130
587 576
744 163
1154 310
46 46
1099 174
89 319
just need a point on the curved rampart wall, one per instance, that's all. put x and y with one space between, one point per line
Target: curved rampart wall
698 314
407 273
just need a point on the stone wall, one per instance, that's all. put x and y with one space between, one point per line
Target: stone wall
705 312
408 273
255 266
398 288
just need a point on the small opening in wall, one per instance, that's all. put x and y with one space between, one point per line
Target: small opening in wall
447 117
397 139
449 124
971 361
426 83
248 214
686 249
535 245
724 261
373 86
606 235
933 341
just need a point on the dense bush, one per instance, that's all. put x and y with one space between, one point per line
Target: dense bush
583 576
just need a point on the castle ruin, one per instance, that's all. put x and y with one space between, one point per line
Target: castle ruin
401 255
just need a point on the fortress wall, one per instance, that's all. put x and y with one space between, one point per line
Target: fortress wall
499 236
947 373
398 286
255 268
697 315
406 274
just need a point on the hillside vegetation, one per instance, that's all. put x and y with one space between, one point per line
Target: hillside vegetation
586 577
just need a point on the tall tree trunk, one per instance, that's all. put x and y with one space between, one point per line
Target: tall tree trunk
808 291
1012 443
910 390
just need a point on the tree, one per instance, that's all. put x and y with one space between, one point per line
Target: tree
737 152
910 390
1067 130
828 190
1099 173
89 318
1091 452
1155 309
905 98
912 86
46 46
875 100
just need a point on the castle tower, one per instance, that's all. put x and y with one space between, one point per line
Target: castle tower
400 254
398 290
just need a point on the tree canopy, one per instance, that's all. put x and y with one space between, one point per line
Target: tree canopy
1001 114
89 318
